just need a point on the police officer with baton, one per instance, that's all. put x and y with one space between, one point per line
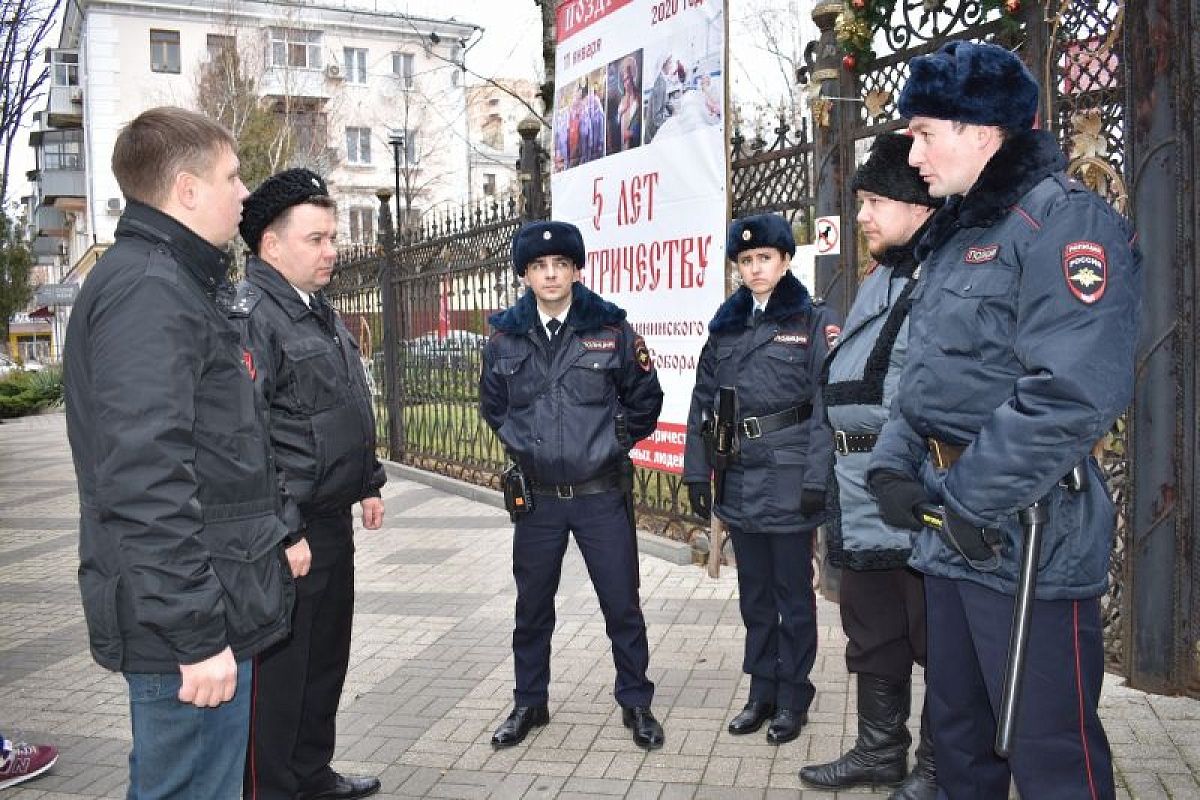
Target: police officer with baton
1021 357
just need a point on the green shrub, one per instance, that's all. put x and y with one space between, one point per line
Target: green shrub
23 393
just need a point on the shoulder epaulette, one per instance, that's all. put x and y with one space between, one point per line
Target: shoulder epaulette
245 298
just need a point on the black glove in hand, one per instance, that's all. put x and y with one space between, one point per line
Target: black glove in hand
700 497
973 543
897 496
812 501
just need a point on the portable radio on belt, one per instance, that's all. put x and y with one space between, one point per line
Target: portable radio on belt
518 498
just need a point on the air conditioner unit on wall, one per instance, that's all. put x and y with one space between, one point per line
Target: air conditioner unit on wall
333 72
115 206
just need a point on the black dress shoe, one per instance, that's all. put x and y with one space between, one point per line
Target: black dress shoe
647 733
522 719
345 787
785 726
751 718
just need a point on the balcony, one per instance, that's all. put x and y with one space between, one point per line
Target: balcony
66 107
56 183
295 82
49 245
49 221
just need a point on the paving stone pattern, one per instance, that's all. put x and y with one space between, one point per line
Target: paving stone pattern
431 669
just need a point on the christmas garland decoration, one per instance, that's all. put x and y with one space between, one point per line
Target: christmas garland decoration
859 20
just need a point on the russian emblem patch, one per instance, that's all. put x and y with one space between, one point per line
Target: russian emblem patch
642 354
1085 268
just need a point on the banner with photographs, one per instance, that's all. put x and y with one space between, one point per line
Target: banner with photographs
639 165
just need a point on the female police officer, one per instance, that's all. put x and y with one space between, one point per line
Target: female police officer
768 342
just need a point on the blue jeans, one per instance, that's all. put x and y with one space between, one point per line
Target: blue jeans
181 751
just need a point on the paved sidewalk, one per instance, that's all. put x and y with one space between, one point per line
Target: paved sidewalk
431 670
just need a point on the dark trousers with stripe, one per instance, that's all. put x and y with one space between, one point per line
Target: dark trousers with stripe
601 527
298 682
1060 751
779 611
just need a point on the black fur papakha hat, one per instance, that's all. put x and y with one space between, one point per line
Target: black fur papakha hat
973 82
277 194
886 172
537 239
760 230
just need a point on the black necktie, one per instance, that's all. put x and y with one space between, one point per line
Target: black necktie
322 309
757 316
552 326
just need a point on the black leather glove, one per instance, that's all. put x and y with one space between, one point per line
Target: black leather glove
897 496
979 546
812 501
700 497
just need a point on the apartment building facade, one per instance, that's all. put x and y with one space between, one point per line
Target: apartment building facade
493 112
365 97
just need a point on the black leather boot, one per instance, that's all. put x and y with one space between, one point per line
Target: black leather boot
921 783
880 756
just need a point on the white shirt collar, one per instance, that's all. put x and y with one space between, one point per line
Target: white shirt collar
544 317
304 296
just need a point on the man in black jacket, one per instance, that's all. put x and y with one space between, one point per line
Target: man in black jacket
306 364
181 570
569 388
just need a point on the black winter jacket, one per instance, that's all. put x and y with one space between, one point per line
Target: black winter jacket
179 533
310 371
555 411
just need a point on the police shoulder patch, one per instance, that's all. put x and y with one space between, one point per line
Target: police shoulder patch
832 332
642 354
1085 268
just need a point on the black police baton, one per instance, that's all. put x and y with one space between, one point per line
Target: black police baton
1033 521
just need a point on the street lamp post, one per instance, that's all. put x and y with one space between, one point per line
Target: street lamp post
396 140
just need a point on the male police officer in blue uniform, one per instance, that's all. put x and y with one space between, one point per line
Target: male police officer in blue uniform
1021 356
569 388
768 341
881 599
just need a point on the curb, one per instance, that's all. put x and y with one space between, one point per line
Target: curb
666 549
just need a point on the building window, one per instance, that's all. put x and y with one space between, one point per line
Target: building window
411 156
295 48
354 60
61 150
402 68
489 184
493 132
358 145
220 47
164 51
65 67
362 225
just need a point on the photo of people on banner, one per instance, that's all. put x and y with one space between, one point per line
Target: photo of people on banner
613 109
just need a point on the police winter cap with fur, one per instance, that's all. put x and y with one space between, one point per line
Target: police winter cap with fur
537 239
886 172
972 82
760 230
277 194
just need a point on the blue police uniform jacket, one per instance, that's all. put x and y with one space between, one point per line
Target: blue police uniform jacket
774 366
859 384
1021 347
555 408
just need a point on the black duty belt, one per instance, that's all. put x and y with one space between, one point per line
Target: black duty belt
566 491
847 443
754 427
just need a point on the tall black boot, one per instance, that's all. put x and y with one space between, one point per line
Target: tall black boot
921 783
880 756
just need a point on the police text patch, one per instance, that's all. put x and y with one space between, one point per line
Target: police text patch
979 255
1085 268
600 344
799 339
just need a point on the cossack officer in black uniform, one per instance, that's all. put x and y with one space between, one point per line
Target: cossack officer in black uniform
768 341
569 388
307 365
